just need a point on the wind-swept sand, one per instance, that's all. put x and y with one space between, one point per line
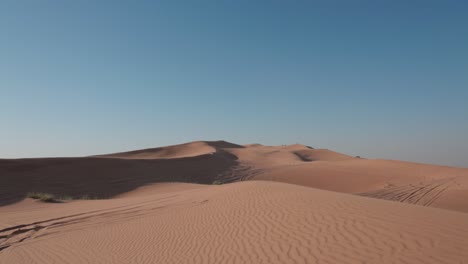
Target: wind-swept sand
423 184
283 204
247 222
107 176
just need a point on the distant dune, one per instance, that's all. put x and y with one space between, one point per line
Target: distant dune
279 204
191 149
105 176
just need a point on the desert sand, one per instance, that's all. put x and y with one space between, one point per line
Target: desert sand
278 204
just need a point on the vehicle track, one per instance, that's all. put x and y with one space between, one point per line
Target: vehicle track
16 234
422 194
242 172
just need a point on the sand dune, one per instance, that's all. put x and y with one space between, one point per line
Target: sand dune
423 184
285 204
191 149
110 175
247 222
103 177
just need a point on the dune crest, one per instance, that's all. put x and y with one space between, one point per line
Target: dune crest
192 149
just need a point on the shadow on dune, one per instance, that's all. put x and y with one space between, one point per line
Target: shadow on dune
222 144
103 177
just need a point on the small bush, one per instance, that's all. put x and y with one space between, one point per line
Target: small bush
44 197
33 195
87 197
217 182
65 198
47 197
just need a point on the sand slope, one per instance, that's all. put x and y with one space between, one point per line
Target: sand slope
422 184
103 177
110 175
247 222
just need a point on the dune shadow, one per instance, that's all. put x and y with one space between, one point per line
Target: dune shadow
303 157
103 177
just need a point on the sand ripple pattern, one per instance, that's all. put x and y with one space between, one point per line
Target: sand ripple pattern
246 222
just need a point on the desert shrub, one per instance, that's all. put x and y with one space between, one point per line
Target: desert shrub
65 198
44 197
85 197
88 197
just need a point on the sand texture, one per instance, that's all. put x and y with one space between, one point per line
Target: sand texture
281 204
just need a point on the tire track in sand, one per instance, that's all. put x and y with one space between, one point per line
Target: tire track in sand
425 193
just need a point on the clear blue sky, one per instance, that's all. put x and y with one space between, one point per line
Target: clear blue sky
380 79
